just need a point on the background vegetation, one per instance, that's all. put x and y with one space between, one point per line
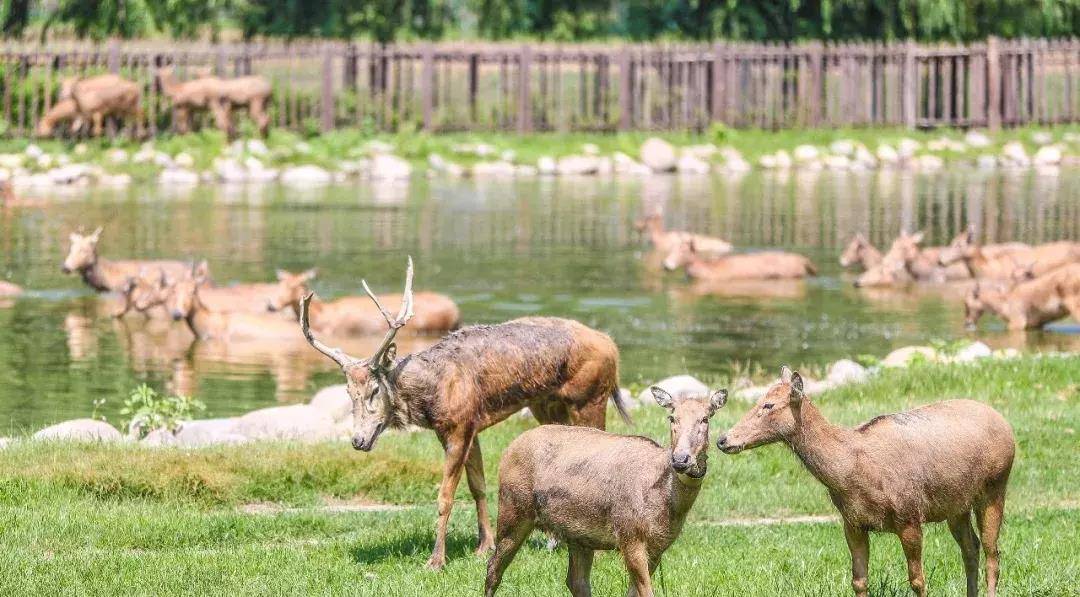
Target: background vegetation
387 20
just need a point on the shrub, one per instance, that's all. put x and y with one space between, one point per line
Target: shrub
149 411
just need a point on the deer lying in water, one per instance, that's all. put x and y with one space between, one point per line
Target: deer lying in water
96 98
1029 304
935 463
906 261
596 490
184 301
563 371
663 241
146 291
983 262
859 252
766 265
354 315
105 275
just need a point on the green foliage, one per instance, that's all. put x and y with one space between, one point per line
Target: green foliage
147 410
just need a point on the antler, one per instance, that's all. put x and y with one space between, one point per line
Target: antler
405 313
336 354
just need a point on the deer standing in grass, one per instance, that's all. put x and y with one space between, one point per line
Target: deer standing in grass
766 265
663 241
64 110
563 371
982 261
355 315
938 462
105 275
1028 304
94 99
595 490
859 252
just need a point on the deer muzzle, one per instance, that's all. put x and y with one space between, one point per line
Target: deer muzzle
365 440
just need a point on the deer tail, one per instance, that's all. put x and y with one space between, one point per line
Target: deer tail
620 405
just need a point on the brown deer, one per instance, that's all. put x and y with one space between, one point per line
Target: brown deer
184 301
144 292
563 371
96 98
64 110
938 462
197 95
766 265
105 275
1028 304
251 93
663 241
355 315
984 262
906 261
859 252
595 490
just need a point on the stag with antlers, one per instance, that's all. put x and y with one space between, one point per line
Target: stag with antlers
563 371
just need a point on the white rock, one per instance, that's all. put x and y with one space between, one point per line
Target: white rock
864 158
525 170
264 175
624 164
546 165
846 371
83 430
334 401
302 147
117 156
114 180
577 165
159 438
33 152
184 160
703 151
499 168
69 174
302 176
1042 138
163 160
257 147
298 422
375 146
1014 154
11 160
907 147
679 386
178 176
783 159
483 150
767 161
44 161
80 149
977 139
805 153
929 163
437 162
986 162
737 165
658 155
691 164
752 393
836 162
208 432
972 352
590 149
508 155
252 163
902 357
887 155
230 171
844 147
385 166
1047 155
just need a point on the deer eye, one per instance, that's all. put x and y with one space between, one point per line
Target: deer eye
671 419
767 406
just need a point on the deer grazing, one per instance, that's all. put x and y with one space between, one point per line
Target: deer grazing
563 371
64 110
105 275
663 241
766 265
984 262
354 315
184 302
93 99
859 252
938 462
595 490
251 93
1027 304
220 96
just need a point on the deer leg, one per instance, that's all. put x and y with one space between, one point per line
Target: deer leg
969 547
577 574
858 542
514 528
474 473
911 540
989 517
99 123
457 450
636 558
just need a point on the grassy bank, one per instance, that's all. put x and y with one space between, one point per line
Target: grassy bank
100 519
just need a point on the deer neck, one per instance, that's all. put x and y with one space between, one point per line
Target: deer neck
682 492
826 450
976 262
102 275
205 323
870 256
411 397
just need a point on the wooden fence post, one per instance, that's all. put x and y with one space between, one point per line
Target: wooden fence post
427 83
626 116
910 87
114 56
993 85
349 72
327 91
525 90
816 105
716 105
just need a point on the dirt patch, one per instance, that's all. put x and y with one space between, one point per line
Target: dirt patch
330 505
759 522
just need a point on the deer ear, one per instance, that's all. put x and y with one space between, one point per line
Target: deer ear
662 397
96 235
785 374
717 400
797 393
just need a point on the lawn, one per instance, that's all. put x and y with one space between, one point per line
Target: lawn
112 519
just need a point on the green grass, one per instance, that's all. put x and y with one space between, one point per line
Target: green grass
107 520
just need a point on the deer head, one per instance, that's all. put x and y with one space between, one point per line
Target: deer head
368 381
773 418
680 255
144 291
853 251
906 247
962 247
183 295
83 252
688 421
290 290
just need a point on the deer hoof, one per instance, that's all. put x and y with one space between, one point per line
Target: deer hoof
485 547
436 562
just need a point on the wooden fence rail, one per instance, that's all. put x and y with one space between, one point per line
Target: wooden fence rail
544 87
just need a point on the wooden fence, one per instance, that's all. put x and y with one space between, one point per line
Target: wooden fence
542 87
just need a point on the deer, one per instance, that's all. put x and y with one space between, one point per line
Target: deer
907 261
184 302
984 262
251 93
1027 304
105 275
356 315
146 291
596 490
199 94
64 110
860 252
94 99
896 472
561 370
766 265
663 241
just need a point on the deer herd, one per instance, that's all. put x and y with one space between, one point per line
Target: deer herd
92 99
593 490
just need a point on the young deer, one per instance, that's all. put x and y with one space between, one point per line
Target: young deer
596 490
935 463
355 315
860 252
1000 261
906 261
663 241
1028 304
766 265
110 276
184 301
563 371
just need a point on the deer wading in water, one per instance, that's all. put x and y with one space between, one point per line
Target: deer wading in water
105 275
563 371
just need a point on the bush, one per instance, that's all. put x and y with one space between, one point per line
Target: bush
149 411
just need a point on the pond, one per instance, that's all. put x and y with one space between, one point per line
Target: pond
502 249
